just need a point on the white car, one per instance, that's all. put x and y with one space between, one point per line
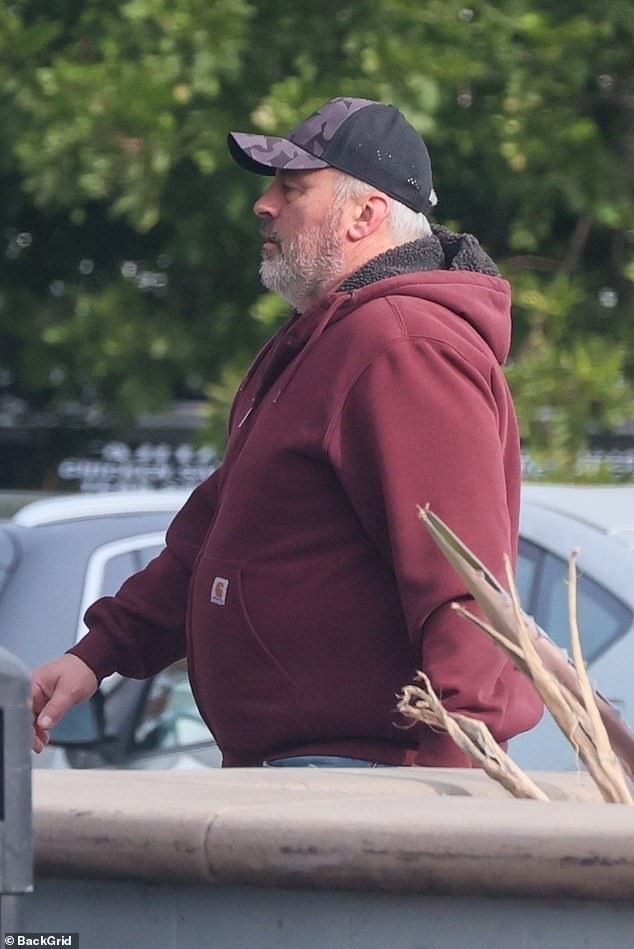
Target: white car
599 520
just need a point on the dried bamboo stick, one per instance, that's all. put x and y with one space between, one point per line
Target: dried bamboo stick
420 703
497 606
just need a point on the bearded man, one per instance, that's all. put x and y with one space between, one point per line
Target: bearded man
297 579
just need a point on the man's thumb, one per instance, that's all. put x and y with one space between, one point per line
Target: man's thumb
55 709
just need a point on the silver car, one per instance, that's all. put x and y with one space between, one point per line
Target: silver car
56 557
599 520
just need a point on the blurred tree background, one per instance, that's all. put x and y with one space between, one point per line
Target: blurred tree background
129 265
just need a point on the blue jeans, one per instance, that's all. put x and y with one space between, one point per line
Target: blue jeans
322 761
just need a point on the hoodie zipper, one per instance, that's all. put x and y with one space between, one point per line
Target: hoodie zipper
247 413
289 352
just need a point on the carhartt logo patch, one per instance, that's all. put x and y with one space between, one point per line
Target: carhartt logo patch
219 591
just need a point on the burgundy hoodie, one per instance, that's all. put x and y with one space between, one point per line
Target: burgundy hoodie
298 579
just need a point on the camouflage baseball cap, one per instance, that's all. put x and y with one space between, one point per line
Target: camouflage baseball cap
368 140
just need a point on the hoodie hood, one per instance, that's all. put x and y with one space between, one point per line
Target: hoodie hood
444 250
448 269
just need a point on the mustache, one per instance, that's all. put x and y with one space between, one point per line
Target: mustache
268 233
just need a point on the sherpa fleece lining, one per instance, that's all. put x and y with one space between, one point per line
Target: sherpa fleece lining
444 250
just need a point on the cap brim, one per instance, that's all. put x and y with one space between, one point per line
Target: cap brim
266 154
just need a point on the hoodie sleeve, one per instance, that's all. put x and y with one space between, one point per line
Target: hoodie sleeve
422 425
141 629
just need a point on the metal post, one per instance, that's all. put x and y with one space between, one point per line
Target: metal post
16 832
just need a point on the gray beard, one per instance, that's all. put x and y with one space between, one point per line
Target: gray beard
307 265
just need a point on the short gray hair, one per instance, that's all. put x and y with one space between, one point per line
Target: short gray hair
406 225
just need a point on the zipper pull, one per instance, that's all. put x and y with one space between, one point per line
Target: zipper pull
246 414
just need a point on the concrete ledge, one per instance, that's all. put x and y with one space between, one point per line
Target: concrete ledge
394 829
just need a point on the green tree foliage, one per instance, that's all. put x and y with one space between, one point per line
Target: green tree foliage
129 268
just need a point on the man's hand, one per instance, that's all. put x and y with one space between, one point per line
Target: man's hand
56 687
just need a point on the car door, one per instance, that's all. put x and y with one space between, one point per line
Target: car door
151 723
604 616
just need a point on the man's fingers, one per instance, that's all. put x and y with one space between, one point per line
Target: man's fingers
40 733
40 738
43 719
52 713
39 697
51 701
63 697
57 686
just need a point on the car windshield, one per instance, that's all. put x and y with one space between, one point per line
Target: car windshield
543 588
9 556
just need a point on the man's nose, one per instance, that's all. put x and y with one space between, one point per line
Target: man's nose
267 205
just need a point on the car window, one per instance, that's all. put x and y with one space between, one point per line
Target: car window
119 567
601 616
145 554
169 718
116 571
8 557
162 714
528 562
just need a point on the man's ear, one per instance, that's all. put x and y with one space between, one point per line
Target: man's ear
368 215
